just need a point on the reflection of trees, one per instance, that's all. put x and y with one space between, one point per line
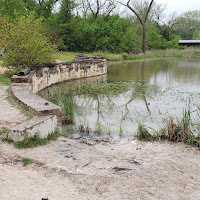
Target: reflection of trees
104 104
137 90
144 92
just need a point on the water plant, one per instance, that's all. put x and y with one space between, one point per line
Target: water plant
67 106
64 99
84 129
143 134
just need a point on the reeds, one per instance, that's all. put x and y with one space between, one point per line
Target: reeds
178 132
65 101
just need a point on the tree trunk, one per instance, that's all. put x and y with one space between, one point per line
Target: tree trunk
144 39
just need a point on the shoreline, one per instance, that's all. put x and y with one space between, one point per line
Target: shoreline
70 169
79 169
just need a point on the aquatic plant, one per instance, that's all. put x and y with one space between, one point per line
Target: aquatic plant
65 101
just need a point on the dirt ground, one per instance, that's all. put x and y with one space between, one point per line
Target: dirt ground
86 170
71 169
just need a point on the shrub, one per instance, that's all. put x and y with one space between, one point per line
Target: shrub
24 43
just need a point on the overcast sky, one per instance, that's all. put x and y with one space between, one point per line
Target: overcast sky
180 6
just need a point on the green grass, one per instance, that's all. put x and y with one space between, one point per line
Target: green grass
144 135
5 136
150 55
27 161
36 140
69 56
4 80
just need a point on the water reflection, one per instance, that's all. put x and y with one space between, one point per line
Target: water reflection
148 92
163 73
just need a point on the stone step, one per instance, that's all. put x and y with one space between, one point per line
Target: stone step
43 125
34 103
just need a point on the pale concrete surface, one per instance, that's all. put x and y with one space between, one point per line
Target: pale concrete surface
9 115
43 125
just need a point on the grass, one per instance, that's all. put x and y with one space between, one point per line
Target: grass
69 56
144 135
65 101
180 132
5 136
36 140
4 80
150 55
27 161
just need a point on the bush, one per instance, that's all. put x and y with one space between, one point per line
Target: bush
24 42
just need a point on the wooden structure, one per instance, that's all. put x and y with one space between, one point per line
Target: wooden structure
189 42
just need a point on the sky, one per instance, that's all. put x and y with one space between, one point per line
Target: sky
180 6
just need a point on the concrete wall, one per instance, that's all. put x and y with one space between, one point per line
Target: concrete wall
67 71
43 125
24 89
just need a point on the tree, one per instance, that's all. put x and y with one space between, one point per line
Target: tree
98 7
166 28
24 42
188 24
12 8
65 12
141 14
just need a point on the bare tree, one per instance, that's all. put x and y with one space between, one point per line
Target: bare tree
166 27
145 13
98 7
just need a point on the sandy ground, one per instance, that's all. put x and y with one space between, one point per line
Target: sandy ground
73 170
85 170
9 115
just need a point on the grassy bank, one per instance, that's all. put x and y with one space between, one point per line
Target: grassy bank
153 54
4 79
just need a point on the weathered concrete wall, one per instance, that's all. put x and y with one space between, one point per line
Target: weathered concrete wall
24 89
43 125
44 77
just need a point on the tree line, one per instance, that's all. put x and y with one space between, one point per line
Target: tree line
130 26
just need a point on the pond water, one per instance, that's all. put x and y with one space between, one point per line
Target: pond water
132 93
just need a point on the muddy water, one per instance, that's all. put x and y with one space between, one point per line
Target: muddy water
155 92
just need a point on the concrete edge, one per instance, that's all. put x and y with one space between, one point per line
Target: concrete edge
53 120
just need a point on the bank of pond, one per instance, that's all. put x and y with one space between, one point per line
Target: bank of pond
151 100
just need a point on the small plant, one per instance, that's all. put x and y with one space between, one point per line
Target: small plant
54 135
182 133
36 140
5 136
121 130
143 134
125 56
84 129
30 142
27 161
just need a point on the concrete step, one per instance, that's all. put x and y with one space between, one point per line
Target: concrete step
43 125
34 103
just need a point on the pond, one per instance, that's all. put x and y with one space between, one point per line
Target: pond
132 93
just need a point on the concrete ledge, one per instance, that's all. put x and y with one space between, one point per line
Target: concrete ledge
35 104
39 124
24 89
